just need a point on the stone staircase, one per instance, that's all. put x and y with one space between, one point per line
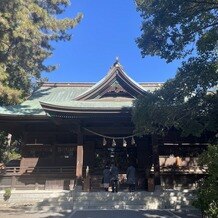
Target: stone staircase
120 200
133 200
77 200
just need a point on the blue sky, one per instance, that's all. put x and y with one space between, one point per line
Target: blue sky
108 30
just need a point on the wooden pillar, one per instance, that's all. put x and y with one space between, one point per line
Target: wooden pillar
156 160
24 142
54 148
79 162
25 134
79 158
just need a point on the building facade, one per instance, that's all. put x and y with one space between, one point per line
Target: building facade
70 131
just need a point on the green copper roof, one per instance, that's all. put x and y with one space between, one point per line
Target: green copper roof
44 94
64 95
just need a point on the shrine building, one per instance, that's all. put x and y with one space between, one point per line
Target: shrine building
70 131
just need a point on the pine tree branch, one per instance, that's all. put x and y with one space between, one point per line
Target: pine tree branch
203 2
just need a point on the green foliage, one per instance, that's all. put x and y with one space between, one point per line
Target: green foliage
3 145
8 150
7 194
171 28
176 105
26 29
14 154
7 94
208 191
176 29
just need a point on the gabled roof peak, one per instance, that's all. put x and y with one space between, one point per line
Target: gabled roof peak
116 73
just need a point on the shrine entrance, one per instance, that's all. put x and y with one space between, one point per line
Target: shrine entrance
121 156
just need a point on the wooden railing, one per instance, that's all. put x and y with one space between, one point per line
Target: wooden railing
10 170
183 169
72 170
35 170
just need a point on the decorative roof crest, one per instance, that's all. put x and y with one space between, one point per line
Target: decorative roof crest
116 63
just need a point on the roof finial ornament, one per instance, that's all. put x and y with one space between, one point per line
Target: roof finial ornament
116 63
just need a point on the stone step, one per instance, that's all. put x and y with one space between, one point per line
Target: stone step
33 196
126 200
69 200
115 207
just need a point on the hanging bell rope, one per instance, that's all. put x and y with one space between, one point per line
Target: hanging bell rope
111 137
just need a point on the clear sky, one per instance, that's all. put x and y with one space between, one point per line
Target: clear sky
108 30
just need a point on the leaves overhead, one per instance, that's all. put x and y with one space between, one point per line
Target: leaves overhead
172 28
175 29
26 29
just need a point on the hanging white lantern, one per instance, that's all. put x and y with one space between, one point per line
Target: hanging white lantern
113 143
124 142
104 142
9 139
133 141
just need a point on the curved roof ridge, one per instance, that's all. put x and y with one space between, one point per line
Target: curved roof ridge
67 84
97 84
112 73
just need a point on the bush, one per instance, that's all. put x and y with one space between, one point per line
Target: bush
207 193
7 194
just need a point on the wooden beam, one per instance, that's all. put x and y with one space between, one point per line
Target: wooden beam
79 162
79 158
156 163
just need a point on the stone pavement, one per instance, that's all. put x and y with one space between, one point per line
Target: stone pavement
25 213
135 214
47 204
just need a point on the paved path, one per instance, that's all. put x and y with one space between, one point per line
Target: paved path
134 214
25 213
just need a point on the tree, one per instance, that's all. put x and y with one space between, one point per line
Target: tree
175 29
26 29
207 193
172 28
188 30
179 104
9 148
